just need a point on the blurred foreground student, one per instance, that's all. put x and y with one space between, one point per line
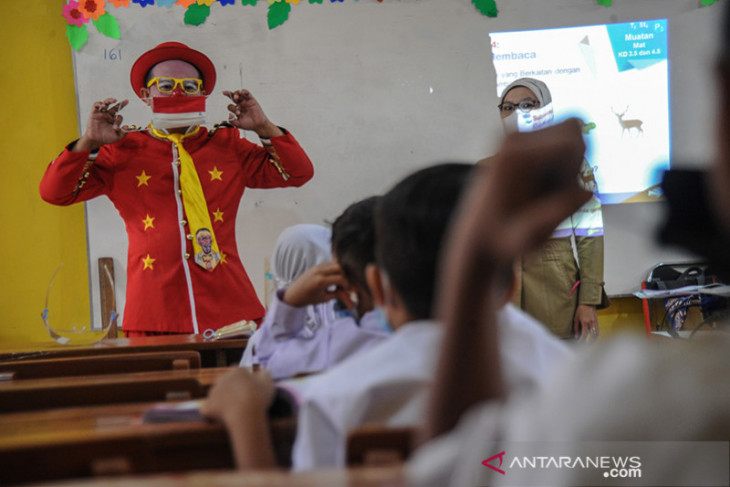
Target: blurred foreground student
326 314
388 384
626 389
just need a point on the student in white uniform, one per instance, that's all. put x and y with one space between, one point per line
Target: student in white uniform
388 384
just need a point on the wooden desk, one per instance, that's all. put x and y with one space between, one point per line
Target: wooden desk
351 477
218 353
107 440
57 392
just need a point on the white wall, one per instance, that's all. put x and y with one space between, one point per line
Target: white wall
375 90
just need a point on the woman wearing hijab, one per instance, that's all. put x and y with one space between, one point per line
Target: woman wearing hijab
554 288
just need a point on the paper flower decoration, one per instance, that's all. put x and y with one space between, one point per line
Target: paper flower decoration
144 3
73 15
92 9
185 3
227 2
120 3
278 14
196 14
207 3
486 7
165 3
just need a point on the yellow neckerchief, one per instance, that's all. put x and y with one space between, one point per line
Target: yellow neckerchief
194 202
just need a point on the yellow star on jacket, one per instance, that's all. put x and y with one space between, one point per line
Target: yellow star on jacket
218 215
142 178
215 174
148 261
148 222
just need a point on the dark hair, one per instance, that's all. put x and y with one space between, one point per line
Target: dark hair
353 240
410 223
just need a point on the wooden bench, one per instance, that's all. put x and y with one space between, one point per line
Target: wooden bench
102 364
213 353
60 392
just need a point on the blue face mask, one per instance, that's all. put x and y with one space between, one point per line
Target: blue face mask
343 312
381 318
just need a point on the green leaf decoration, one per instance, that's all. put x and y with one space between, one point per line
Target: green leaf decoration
77 36
707 3
486 7
108 26
248 2
196 14
605 3
278 14
315 1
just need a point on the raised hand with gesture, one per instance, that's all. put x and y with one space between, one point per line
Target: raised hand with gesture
104 125
246 114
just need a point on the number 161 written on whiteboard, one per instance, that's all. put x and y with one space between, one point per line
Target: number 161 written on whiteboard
114 54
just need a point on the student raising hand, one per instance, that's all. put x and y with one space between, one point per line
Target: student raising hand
526 193
511 207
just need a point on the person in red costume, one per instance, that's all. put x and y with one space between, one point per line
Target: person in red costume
176 180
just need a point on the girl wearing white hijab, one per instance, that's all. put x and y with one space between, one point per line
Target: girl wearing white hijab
298 248
302 331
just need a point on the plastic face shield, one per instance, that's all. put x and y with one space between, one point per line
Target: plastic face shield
70 328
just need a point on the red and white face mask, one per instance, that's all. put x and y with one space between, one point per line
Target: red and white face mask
177 111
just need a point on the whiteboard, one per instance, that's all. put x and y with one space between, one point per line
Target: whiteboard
374 91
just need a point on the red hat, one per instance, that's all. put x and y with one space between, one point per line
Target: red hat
165 52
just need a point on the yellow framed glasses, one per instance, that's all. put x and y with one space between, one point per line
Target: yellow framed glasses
167 84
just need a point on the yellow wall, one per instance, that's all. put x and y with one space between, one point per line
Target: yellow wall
37 118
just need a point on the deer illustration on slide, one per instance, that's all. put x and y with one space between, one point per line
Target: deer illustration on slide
628 124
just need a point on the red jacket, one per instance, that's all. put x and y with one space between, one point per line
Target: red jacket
140 176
